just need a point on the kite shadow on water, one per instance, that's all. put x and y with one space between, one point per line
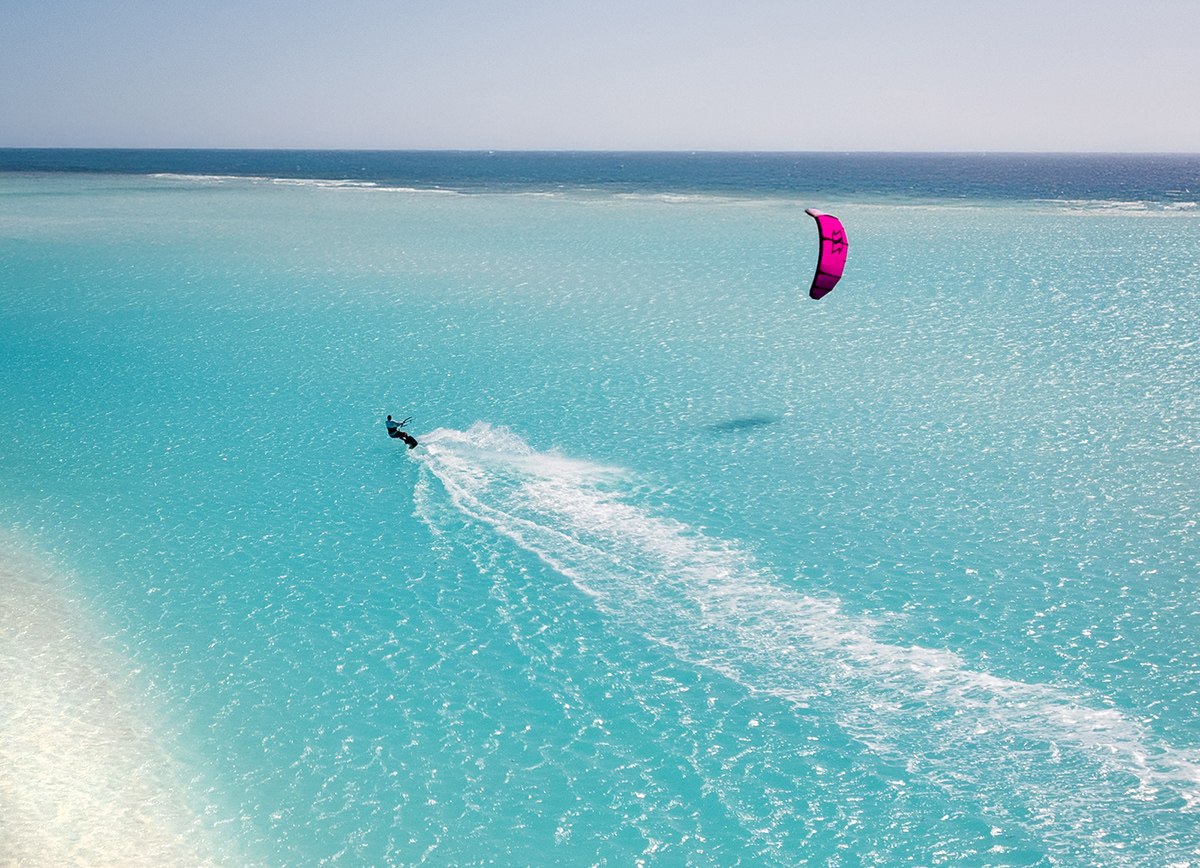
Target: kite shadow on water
741 424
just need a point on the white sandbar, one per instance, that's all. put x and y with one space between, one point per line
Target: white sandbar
82 780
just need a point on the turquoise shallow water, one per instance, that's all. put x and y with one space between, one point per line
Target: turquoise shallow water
688 570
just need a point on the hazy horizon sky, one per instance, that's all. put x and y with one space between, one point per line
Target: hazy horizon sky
929 75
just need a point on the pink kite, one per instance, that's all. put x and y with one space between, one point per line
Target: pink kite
832 260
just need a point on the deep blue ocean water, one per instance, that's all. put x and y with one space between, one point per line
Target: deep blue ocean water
689 570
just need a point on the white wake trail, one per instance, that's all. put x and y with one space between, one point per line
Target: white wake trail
1075 771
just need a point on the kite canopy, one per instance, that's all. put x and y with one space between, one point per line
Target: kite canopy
832 259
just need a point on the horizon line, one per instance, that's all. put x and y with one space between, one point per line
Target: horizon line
673 151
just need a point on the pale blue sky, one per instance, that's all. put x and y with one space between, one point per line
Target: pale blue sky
1061 75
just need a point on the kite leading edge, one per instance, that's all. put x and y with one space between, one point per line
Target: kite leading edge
832 259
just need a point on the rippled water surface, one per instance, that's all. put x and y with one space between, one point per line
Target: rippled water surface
688 570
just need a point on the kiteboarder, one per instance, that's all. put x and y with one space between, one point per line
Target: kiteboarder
396 429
